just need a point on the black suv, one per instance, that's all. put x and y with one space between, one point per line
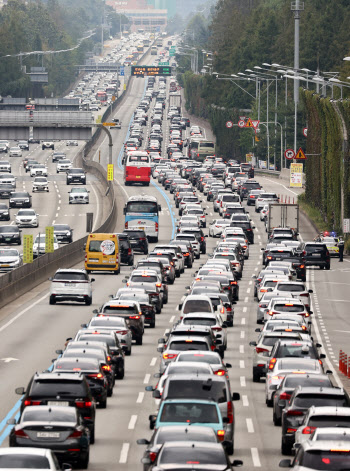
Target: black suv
302 399
61 388
10 235
138 239
20 199
247 187
247 227
125 250
316 254
76 175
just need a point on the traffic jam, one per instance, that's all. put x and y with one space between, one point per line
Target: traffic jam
220 204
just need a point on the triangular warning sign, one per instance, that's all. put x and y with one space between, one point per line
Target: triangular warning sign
249 124
255 123
300 155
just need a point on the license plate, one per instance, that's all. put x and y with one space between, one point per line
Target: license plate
317 255
138 176
4 266
8 239
72 285
48 434
58 403
141 228
94 260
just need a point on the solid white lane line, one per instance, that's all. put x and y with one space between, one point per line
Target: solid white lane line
20 314
132 422
147 378
140 397
245 401
124 453
255 457
250 425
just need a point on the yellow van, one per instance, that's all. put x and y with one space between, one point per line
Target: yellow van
102 253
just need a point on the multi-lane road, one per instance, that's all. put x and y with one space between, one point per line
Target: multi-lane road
31 331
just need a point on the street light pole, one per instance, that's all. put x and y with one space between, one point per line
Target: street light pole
297 7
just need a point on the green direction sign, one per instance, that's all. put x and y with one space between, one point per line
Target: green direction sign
171 53
172 48
163 63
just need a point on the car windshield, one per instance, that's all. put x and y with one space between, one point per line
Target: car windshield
20 194
26 212
96 246
329 421
142 207
193 456
178 434
41 239
62 414
40 179
201 358
144 278
78 190
23 461
269 341
8 253
296 350
196 305
190 412
9 230
326 460
119 309
141 298
289 307
76 170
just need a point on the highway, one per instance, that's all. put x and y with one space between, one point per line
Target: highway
31 331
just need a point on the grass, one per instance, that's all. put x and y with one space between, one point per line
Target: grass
313 214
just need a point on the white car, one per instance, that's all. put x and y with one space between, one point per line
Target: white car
217 226
8 179
33 458
72 143
15 152
9 259
78 195
69 284
39 245
5 166
27 218
38 169
40 184
63 165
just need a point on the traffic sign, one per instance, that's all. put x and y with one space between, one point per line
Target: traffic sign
229 124
110 172
346 226
242 118
178 87
28 248
289 154
163 63
171 53
241 123
305 132
249 123
255 123
49 239
108 124
300 154
121 71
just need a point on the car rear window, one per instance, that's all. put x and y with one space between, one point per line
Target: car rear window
196 305
182 389
319 400
183 345
95 246
201 357
329 421
120 309
190 412
315 248
291 288
69 276
286 351
294 381
64 414
23 461
166 435
198 321
289 307
54 387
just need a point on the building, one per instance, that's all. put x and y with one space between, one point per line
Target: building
142 14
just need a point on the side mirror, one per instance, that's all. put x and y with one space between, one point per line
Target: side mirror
51 278
237 463
322 356
156 394
187 287
285 464
152 420
310 291
329 372
59 352
160 349
253 344
236 396
146 460
157 375
84 326
95 311
124 281
228 365
180 306
20 391
92 280
161 340
11 422
258 330
68 339
66 467
124 210
149 388
318 345
142 441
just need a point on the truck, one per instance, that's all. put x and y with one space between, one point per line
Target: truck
283 215
175 100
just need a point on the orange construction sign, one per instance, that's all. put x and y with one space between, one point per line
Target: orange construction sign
249 124
300 155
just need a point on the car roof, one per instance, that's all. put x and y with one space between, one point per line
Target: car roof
25 451
329 410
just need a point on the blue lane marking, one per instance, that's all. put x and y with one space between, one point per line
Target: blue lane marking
8 429
10 414
167 200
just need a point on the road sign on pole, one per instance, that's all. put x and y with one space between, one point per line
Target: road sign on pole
229 124
241 123
296 175
28 248
289 154
300 154
49 242
346 226
110 172
305 132
255 123
249 123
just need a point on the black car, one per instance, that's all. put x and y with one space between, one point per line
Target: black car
4 212
59 428
57 156
5 191
247 227
148 307
10 235
63 233
138 239
298 264
76 175
61 389
199 236
247 167
247 187
316 254
24 145
93 372
20 199
125 250
301 400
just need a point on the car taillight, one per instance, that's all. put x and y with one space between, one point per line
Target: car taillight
169 356
134 317
106 368
221 435
304 294
212 347
121 332
220 372
96 375
271 313
308 430
302 266
152 456
142 238
76 434
82 404
285 396
230 412
21 434
126 225
30 402
294 412
251 196
261 350
269 257
272 363
216 329
129 251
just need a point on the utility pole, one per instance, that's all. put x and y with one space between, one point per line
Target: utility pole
297 7
102 24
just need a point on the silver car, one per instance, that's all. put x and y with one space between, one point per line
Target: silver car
15 152
9 259
119 325
27 218
63 165
5 166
